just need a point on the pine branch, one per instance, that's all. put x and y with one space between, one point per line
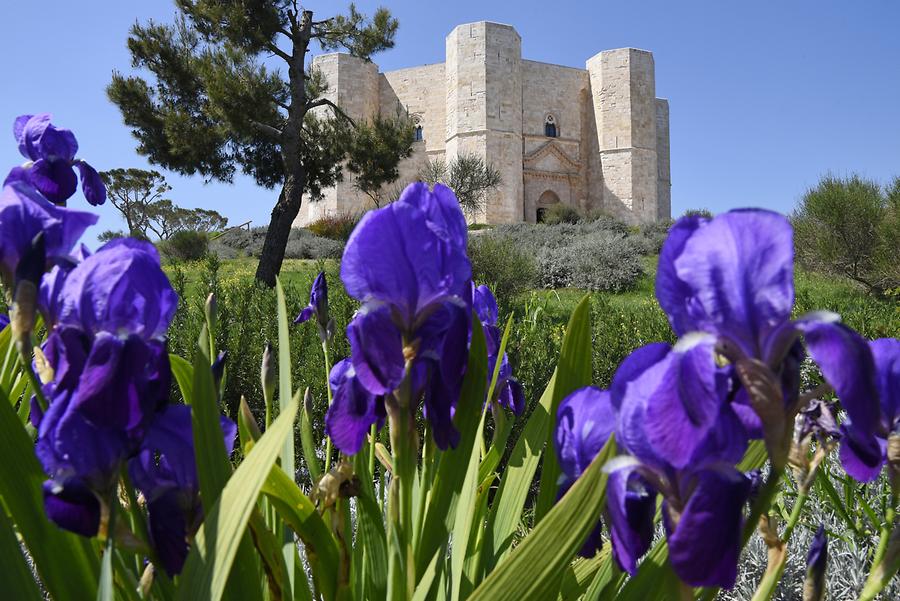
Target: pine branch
325 102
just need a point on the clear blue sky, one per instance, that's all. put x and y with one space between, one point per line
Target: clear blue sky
765 96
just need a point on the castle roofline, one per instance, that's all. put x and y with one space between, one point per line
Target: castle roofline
494 23
629 48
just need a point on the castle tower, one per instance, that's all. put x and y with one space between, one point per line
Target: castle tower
664 183
484 109
625 109
353 86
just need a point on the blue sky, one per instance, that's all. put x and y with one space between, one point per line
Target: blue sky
765 96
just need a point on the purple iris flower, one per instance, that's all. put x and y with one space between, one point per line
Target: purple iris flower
866 377
23 214
318 308
732 277
354 409
684 439
110 375
4 321
508 391
165 471
120 289
407 264
671 416
584 421
51 151
50 291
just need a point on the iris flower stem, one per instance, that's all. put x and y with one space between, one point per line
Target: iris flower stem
762 503
404 451
36 386
109 548
886 529
328 392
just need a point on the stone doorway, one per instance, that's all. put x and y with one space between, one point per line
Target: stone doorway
546 200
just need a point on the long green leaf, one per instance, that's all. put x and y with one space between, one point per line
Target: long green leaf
453 463
106 591
285 392
300 514
184 375
213 467
573 371
534 569
370 530
465 515
269 549
66 563
216 544
516 481
18 583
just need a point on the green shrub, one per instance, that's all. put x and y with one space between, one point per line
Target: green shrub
185 245
849 226
302 244
335 227
502 264
599 261
698 213
475 227
561 213
600 255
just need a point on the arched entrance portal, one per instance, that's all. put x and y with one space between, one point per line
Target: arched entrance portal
547 200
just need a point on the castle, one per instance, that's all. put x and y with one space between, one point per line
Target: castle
594 138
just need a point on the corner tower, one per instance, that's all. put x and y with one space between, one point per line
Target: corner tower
353 86
484 109
623 90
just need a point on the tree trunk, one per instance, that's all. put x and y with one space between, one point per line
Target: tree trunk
283 215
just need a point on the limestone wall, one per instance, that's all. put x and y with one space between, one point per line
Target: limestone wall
664 181
611 152
623 90
484 109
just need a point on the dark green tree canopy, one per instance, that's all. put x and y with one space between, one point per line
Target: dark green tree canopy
138 195
227 87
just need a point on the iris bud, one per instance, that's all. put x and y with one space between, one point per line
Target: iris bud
210 310
218 368
816 563
267 372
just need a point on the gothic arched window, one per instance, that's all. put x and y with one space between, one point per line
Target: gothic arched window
550 129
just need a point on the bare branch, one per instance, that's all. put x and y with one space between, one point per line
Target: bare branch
279 52
268 130
325 102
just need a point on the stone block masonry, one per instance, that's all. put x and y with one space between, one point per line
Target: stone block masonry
595 138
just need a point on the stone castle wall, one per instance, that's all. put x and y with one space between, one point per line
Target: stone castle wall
611 151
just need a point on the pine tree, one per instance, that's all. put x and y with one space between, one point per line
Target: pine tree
214 107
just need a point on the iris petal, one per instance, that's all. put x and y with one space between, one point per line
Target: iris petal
730 276
584 421
705 544
91 184
376 349
631 506
353 410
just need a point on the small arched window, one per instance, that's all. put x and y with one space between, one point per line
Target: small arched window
550 129
420 135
